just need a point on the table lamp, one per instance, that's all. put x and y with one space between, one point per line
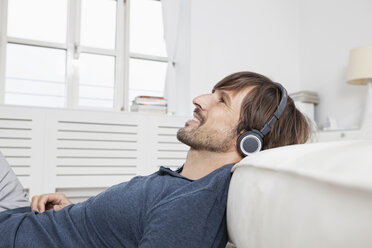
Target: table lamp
360 73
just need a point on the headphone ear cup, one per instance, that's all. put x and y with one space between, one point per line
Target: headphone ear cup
249 142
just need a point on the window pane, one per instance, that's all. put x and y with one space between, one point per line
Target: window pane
146 78
146 28
97 80
98 23
35 76
95 103
44 20
34 100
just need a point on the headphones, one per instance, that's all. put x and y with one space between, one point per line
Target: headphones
252 141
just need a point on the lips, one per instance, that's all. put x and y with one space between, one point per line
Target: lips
197 120
198 116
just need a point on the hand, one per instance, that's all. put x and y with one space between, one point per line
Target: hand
56 201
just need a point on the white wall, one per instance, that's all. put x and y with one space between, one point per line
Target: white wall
302 44
329 29
237 35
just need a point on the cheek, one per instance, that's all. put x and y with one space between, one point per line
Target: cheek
231 122
222 121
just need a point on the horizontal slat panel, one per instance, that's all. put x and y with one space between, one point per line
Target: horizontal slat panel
15 133
85 126
167 135
90 181
25 178
168 139
172 126
85 161
96 153
173 149
15 151
97 136
79 158
96 144
95 131
95 121
15 127
19 161
20 166
96 171
15 143
18 157
22 171
98 166
14 123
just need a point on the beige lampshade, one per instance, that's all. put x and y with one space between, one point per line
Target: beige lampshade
360 65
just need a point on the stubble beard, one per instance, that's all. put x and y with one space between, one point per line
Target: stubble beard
203 139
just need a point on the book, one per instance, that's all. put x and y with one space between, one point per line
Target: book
153 100
148 108
155 104
305 96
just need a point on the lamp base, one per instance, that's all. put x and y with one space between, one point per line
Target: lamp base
367 119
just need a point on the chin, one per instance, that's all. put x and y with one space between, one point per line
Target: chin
189 127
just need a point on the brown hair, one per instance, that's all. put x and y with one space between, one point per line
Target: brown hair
259 106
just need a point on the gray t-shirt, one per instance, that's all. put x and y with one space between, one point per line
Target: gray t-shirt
163 210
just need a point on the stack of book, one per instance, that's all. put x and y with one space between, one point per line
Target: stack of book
305 97
154 104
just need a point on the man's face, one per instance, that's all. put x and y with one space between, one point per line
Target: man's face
216 117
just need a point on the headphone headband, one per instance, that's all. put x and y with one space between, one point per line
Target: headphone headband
278 112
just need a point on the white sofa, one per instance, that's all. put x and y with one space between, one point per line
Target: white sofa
313 195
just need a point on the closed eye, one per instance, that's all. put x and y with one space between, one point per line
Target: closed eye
223 97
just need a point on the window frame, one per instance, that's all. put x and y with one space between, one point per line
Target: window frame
3 41
73 49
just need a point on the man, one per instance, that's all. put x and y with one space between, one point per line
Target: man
183 208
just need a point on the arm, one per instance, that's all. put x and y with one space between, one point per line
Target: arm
195 220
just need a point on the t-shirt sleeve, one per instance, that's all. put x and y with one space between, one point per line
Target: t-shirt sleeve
192 220
12 194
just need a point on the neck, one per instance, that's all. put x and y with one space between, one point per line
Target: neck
200 163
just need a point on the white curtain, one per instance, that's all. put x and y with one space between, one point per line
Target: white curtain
171 20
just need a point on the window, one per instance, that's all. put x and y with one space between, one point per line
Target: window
81 53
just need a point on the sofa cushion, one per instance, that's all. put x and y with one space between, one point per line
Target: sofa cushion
312 195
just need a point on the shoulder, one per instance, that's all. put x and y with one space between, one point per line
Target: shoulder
193 202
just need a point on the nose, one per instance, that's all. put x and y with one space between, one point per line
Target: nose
202 101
